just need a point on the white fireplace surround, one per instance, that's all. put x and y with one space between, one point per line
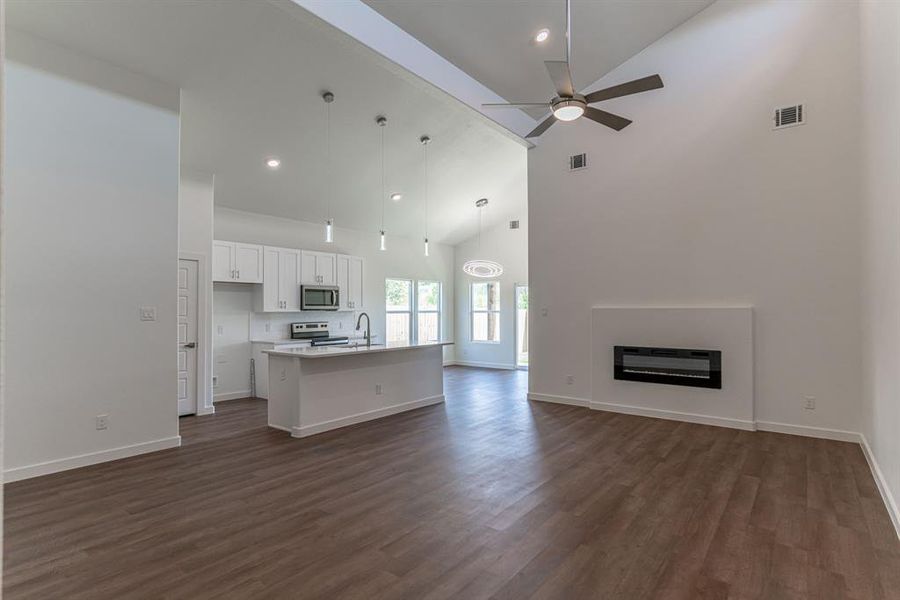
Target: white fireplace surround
727 329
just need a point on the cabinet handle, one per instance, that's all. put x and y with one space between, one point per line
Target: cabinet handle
238 274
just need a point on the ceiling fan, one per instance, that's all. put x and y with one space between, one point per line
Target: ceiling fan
569 105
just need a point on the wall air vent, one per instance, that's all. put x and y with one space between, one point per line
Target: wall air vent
789 116
577 162
513 224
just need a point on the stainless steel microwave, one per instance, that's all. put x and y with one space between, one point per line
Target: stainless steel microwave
319 297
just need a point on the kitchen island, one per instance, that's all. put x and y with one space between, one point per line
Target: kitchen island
316 389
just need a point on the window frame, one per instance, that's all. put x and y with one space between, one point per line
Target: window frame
409 313
413 312
438 311
487 311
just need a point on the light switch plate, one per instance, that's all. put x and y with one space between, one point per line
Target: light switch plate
148 313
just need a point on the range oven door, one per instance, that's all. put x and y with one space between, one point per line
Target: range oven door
319 297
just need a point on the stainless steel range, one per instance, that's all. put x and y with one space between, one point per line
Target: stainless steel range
317 334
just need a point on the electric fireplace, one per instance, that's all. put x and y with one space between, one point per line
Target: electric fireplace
675 366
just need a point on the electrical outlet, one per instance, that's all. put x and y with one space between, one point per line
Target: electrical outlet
544 312
809 402
102 422
268 327
283 375
378 389
148 313
570 379
220 330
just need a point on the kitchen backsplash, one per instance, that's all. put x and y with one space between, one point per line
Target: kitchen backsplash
274 326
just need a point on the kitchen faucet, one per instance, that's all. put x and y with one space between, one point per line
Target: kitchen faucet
368 328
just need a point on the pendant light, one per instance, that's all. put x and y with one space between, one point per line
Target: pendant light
483 269
382 121
328 97
424 141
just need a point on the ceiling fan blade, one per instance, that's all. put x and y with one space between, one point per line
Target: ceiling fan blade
516 105
645 84
562 78
544 126
604 118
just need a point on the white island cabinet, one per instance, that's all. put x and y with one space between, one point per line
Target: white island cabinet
316 389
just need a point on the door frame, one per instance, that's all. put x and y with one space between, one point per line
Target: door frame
515 311
204 331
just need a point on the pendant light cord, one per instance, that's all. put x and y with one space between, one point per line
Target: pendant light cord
330 188
425 150
382 177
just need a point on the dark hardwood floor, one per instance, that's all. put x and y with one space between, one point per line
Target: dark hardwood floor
487 496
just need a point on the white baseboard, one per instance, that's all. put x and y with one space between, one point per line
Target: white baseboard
886 496
92 458
569 400
485 365
210 410
815 432
369 415
674 415
231 396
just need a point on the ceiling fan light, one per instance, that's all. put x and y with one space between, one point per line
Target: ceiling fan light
568 110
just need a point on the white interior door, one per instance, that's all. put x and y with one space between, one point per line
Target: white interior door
187 337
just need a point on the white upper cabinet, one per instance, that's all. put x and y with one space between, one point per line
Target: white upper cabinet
289 279
248 262
350 281
318 268
281 284
237 262
222 267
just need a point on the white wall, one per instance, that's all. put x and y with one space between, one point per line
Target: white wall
195 234
701 203
880 62
92 191
509 247
232 303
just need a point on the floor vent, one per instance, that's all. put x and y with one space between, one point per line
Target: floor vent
577 162
789 116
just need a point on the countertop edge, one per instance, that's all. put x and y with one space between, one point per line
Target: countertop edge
355 351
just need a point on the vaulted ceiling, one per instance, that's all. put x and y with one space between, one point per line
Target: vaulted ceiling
493 41
252 74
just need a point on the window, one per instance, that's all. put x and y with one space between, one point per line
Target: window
398 303
485 297
428 311
413 310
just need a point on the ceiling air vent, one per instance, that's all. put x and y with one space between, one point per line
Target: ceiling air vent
513 224
577 162
789 116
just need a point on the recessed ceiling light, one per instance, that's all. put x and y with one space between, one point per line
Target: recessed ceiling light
542 36
273 162
396 196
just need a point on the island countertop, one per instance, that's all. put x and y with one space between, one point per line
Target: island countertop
351 349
